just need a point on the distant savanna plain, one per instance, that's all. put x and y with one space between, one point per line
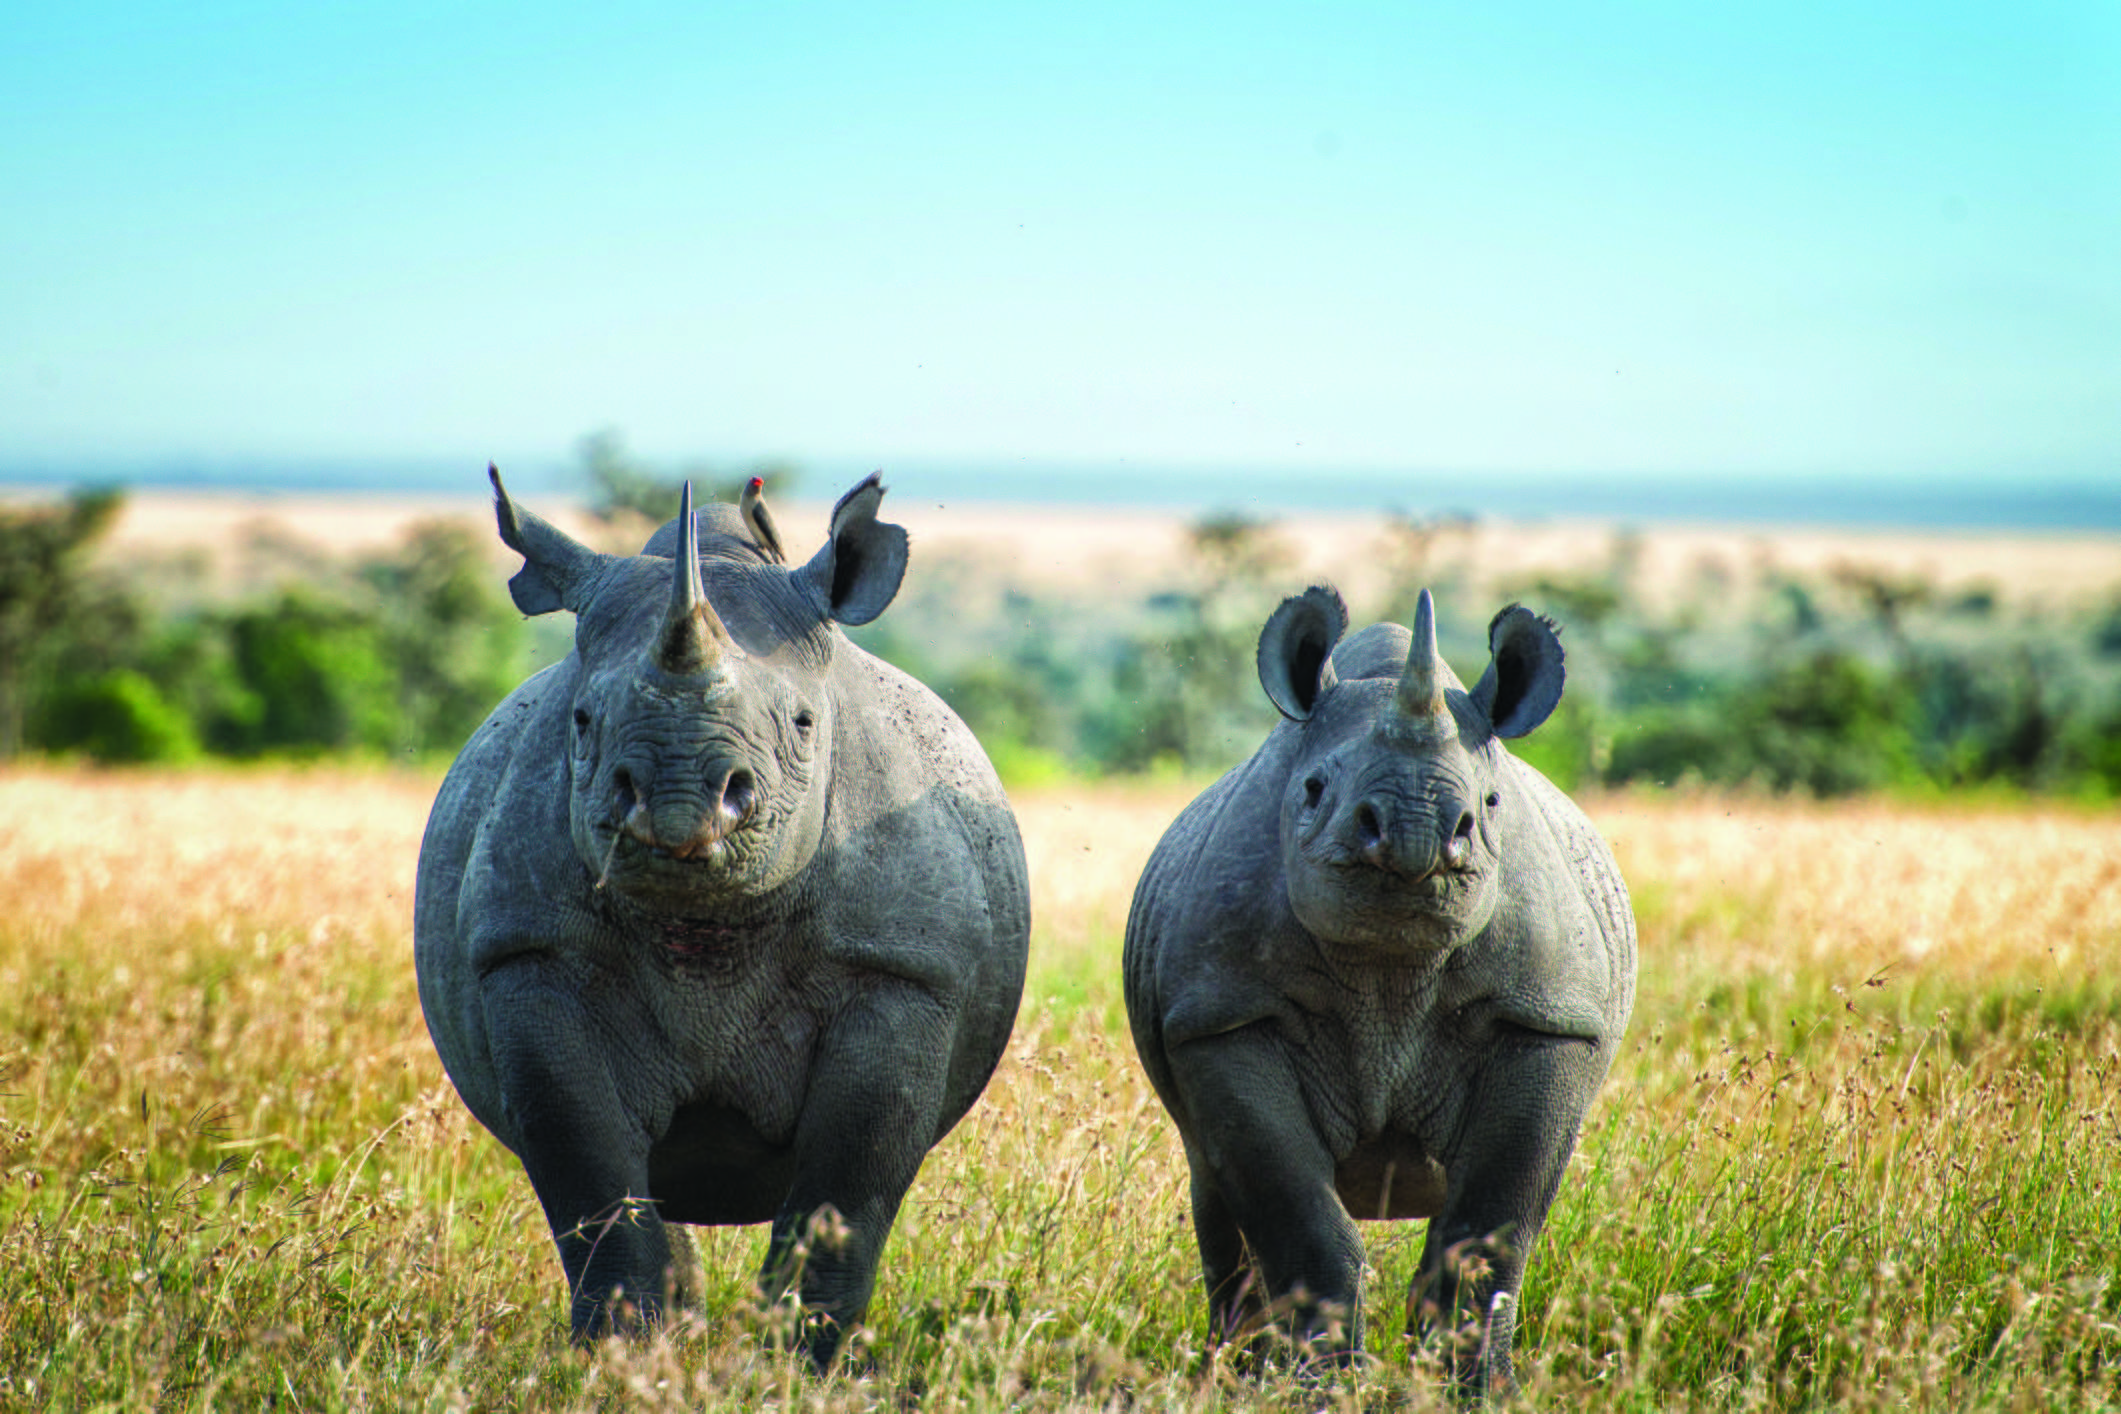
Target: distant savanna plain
1861 1149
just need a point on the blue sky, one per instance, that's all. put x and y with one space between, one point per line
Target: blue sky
1866 239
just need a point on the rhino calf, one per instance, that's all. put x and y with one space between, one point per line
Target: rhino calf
720 919
1379 971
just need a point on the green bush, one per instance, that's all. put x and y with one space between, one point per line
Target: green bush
193 663
1667 746
1830 724
1004 703
118 716
1836 683
1827 723
1568 748
321 673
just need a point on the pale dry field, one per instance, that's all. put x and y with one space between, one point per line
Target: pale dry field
1863 1146
1095 551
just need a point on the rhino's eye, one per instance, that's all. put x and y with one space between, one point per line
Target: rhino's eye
1314 790
804 721
1494 799
581 720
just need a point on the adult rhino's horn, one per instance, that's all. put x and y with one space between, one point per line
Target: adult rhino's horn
694 639
1419 696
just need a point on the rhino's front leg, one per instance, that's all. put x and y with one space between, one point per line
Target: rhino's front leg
585 1153
1269 1171
1237 1304
1526 1108
872 1112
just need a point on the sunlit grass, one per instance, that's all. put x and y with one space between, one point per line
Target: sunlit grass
1860 1150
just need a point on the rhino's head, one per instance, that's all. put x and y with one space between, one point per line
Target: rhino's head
701 726
1392 820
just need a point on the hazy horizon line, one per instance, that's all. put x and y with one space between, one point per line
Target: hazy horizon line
1999 500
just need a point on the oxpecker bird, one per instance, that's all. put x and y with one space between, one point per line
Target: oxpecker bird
753 509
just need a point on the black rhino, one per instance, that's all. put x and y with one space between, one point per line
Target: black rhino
1379 971
720 919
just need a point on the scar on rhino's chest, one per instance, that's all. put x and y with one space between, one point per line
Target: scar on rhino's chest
698 944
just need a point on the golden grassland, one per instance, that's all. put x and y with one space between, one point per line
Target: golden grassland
1862 1149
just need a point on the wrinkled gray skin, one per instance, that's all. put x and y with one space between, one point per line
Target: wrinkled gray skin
1379 971
720 920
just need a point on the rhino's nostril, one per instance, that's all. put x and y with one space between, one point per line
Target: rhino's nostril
1369 827
1458 850
739 795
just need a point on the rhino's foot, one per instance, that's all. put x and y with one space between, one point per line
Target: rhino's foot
825 1343
1308 1341
1309 1365
616 1313
822 1338
1473 1354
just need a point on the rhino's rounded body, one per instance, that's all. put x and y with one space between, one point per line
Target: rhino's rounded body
920 883
1426 1047
658 1041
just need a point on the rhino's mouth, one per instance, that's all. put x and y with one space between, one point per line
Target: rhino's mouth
681 851
702 850
631 866
1441 892
1438 884
1352 903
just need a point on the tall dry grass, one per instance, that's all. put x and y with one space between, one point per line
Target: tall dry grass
1860 1151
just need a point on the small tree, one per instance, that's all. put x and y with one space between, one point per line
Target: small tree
454 641
43 591
1185 685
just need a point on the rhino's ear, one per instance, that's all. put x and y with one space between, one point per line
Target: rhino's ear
1296 649
558 571
857 574
1522 685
